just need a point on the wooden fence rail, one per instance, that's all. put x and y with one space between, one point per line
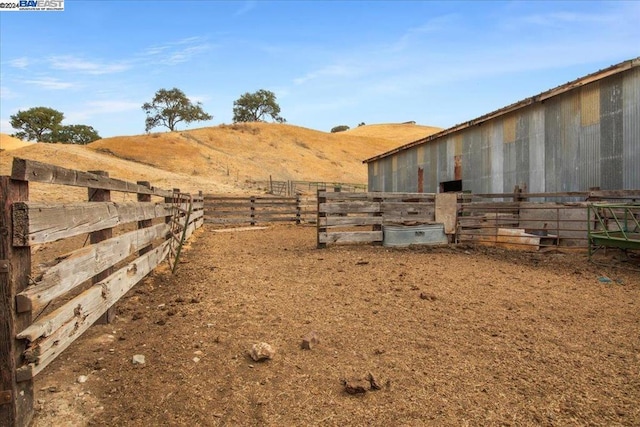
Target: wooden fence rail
78 288
510 222
253 210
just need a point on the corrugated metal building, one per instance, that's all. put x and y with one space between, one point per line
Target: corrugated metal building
580 135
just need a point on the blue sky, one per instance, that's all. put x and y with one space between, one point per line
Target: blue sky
328 62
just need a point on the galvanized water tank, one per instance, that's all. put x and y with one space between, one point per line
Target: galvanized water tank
405 235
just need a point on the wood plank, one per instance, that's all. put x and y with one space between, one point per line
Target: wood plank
80 265
42 222
64 325
99 195
350 207
407 207
399 219
17 410
351 237
333 221
31 170
226 220
447 211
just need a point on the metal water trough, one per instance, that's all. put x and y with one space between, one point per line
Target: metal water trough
405 235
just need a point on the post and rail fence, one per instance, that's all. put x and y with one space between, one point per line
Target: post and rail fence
45 307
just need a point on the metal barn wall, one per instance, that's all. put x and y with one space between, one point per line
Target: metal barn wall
586 137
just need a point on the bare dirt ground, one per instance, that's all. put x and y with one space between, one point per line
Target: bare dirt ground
454 336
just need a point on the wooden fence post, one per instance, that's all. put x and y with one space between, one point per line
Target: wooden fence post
16 398
320 216
145 223
298 209
380 213
253 210
98 195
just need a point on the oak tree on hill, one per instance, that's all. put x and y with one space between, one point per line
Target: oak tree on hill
75 134
256 107
170 107
340 128
36 124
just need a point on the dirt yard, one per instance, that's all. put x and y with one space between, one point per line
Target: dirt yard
453 336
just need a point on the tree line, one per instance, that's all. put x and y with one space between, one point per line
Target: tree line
168 108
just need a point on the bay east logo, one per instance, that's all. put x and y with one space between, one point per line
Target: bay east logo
41 4
31 5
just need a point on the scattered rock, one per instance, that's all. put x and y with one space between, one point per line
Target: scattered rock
604 279
361 385
82 379
429 297
373 382
362 262
161 322
138 359
196 359
262 351
309 341
356 386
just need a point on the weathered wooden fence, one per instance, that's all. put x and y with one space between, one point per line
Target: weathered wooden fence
359 217
511 221
291 187
43 310
253 210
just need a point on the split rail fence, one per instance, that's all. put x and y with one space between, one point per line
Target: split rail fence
44 308
506 220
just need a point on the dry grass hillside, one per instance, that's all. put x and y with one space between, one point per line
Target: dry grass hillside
222 159
402 133
8 142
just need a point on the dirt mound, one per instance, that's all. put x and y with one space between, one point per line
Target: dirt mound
8 142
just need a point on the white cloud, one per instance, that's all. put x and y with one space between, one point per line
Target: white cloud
22 62
50 83
185 54
72 63
101 107
177 52
335 70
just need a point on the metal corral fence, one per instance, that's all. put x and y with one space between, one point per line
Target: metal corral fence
505 220
44 308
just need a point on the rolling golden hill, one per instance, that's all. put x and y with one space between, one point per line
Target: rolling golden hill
224 158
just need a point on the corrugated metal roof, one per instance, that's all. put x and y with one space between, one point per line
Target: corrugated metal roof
598 75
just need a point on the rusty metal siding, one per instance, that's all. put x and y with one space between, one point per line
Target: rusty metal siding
585 137
611 143
631 130
536 150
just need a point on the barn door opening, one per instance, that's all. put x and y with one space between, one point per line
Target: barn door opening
420 180
451 186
